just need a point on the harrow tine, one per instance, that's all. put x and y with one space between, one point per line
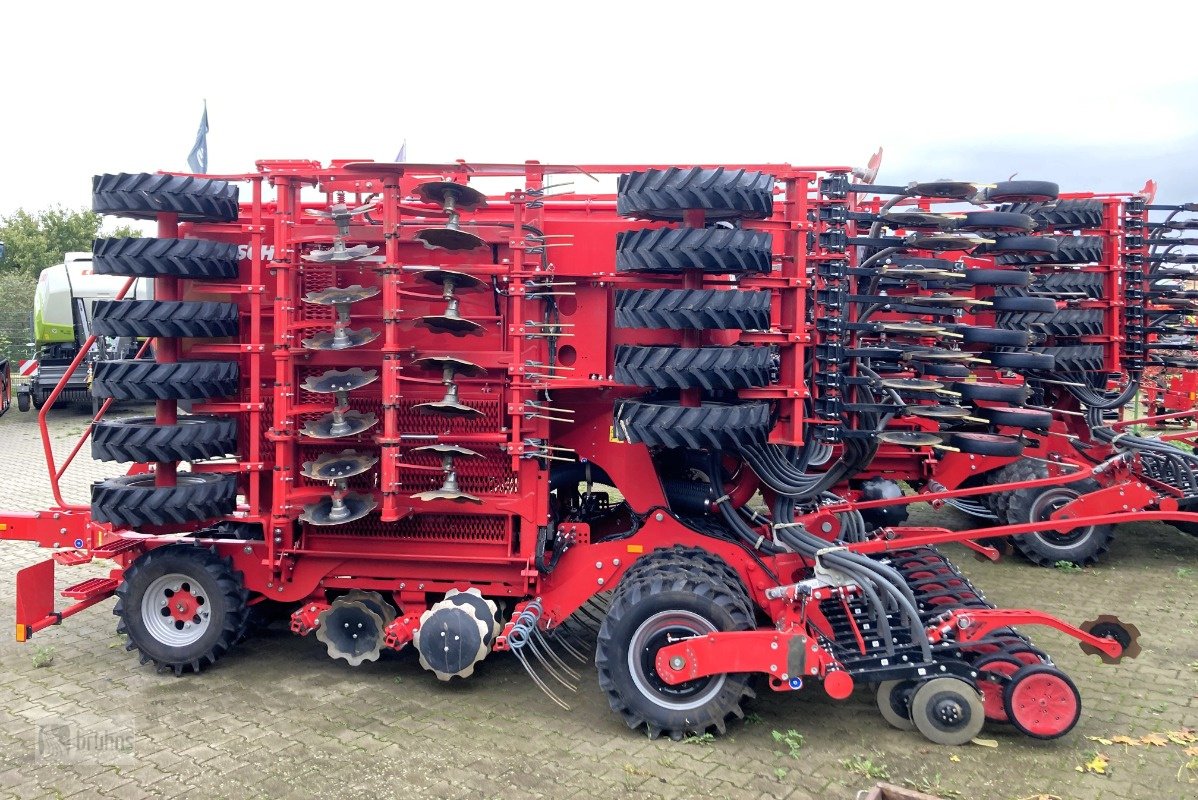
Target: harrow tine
540 656
556 658
562 639
539 681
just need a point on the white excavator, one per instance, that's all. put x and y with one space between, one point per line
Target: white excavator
62 313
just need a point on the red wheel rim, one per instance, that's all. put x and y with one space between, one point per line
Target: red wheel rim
942 600
992 688
1044 704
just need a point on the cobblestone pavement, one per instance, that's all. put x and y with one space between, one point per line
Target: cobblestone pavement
277 718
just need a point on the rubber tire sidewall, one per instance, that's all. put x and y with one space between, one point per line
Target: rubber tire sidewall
138 578
1086 549
621 632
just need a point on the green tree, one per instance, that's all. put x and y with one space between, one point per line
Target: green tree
34 241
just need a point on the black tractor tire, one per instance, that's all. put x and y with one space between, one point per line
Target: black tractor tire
1062 214
693 309
715 251
707 368
197 259
198 319
145 196
1022 192
24 401
1088 283
646 615
713 426
1079 250
206 575
142 440
1016 472
667 194
690 559
137 379
133 501
1079 546
972 391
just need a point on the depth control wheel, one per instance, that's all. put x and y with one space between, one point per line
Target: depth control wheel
1042 702
947 711
181 606
894 703
649 614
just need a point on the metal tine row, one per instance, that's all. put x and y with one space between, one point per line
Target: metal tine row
525 640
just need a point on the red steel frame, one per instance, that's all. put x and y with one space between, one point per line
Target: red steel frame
414 551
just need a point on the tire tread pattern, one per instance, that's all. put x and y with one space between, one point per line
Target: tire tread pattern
693 309
138 379
134 502
198 259
189 318
720 192
707 368
707 426
673 578
711 250
144 195
234 596
143 440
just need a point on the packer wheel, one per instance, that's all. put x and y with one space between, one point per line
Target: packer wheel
1042 702
947 711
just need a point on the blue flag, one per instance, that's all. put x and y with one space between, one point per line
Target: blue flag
197 159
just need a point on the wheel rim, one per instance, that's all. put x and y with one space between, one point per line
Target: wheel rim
948 710
175 610
1044 704
1042 510
894 703
662 629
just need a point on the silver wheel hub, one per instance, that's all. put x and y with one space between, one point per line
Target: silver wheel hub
175 610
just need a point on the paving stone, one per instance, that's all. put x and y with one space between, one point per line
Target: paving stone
278 718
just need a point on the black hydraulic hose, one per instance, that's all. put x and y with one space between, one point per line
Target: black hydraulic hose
731 518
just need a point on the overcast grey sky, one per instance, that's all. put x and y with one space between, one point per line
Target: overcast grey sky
1092 94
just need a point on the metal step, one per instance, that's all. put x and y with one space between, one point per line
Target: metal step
115 548
71 558
91 589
